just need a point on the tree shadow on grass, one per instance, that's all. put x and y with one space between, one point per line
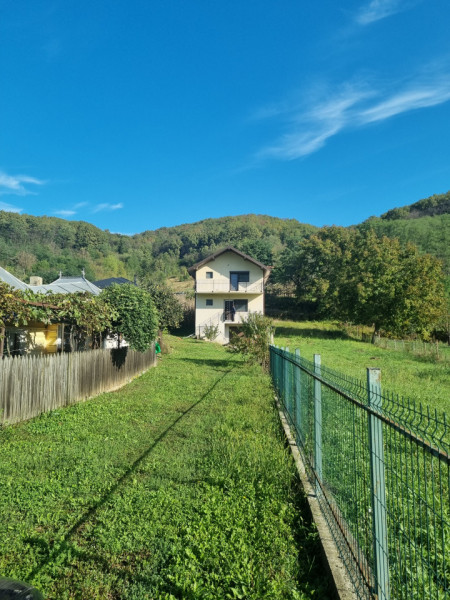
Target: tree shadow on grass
60 545
211 362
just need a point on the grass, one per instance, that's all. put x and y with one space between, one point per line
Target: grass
179 485
417 481
416 377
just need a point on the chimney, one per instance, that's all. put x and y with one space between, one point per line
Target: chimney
35 280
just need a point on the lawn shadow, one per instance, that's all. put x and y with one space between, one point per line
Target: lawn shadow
61 543
313 332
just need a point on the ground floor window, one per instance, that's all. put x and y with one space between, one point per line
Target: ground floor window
209 301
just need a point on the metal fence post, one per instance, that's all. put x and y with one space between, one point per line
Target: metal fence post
378 487
286 381
297 396
317 423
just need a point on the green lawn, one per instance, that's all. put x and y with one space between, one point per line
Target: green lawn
179 485
415 377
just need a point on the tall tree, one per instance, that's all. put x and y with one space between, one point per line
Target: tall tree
360 277
136 317
170 310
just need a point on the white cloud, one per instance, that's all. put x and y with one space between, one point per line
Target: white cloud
14 184
411 99
376 10
65 213
312 127
10 208
351 106
106 206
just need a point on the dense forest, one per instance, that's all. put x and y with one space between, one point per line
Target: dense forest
425 223
46 245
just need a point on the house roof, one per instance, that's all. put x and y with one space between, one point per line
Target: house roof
11 280
63 285
104 283
206 260
68 285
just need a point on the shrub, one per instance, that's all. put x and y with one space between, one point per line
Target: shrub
254 339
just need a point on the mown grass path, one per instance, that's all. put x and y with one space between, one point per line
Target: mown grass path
176 486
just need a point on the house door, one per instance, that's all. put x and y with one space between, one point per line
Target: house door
229 310
234 281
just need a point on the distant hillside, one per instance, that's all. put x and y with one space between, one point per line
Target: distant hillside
438 204
425 223
46 245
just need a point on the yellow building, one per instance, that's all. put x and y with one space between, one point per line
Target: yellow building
36 338
228 286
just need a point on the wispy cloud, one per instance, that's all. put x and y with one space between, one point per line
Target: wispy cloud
10 208
350 106
376 10
106 206
65 213
17 184
419 96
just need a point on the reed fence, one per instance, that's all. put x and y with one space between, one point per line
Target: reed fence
380 466
31 385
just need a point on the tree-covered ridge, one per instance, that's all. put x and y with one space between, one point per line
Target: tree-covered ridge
46 245
438 204
430 234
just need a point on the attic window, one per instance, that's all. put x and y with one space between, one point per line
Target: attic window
209 274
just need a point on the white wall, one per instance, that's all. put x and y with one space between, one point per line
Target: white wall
221 267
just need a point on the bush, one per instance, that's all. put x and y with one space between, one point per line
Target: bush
254 339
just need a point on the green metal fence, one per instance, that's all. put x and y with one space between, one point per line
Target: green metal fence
380 465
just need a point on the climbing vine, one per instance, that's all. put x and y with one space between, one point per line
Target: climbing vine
124 310
89 313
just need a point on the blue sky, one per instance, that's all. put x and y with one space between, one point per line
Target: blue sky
149 113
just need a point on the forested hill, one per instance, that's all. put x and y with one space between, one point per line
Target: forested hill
438 204
46 245
426 223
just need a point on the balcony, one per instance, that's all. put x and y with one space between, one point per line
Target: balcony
211 286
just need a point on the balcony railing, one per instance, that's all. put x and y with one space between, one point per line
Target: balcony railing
210 286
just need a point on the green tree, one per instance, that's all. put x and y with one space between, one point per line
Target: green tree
170 309
357 276
136 317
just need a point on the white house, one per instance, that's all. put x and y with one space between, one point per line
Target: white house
228 286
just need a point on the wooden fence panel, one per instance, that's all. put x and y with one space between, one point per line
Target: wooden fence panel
31 385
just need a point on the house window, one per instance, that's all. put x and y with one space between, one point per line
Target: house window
209 274
209 302
237 277
241 305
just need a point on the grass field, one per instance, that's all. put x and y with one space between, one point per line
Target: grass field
178 485
417 377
